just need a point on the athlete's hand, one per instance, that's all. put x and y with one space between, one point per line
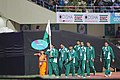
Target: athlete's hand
51 55
113 60
87 61
100 60
92 60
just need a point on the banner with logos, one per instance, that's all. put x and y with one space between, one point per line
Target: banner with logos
115 18
83 18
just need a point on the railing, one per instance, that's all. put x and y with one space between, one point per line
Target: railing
45 4
93 9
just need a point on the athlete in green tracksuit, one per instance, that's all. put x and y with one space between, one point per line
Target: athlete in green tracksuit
63 56
77 59
108 55
90 59
82 59
70 62
52 54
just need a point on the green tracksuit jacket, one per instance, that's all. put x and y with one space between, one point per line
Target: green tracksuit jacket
90 56
62 58
108 55
70 62
82 60
77 47
52 61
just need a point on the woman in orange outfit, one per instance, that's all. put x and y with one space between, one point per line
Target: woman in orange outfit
42 62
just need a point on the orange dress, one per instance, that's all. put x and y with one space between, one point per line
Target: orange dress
42 65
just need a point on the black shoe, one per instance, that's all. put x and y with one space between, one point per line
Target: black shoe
88 75
94 73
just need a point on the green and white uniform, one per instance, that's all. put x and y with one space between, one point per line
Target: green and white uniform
52 61
82 60
70 62
76 48
62 58
77 59
107 54
90 57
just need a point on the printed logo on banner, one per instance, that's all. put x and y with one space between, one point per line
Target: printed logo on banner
78 17
104 18
91 18
65 18
115 18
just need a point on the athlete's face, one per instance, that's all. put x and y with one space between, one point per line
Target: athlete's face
51 46
82 44
88 44
106 44
70 47
78 42
62 46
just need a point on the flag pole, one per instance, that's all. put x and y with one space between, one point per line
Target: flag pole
49 31
50 35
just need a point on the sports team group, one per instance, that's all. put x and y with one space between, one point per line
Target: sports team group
78 58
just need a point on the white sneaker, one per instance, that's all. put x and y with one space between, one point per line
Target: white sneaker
88 76
83 76
78 75
57 76
105 75
66 76
110 74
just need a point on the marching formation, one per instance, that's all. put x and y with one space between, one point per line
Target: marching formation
78 58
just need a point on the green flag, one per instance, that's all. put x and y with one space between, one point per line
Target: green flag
47 34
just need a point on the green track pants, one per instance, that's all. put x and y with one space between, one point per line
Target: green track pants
89 64
81 67
106 63
67 66
53 67
61 65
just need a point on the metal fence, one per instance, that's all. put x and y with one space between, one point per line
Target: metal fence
92 9
45 4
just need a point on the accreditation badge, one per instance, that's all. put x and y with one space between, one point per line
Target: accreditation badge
80 54
62 55
55 60
73 60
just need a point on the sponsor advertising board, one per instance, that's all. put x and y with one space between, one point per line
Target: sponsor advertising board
83 18
115 18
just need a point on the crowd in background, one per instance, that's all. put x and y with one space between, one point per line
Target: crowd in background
112 5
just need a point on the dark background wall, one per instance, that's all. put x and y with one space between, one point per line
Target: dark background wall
17 56
12 54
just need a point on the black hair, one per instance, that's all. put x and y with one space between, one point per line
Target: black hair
78 40
106 42
61 43
37 27
70 46
53 45
118 28
88 42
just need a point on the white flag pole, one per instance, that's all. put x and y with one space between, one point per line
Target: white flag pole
49 33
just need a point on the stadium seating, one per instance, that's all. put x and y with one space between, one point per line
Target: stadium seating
80 5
